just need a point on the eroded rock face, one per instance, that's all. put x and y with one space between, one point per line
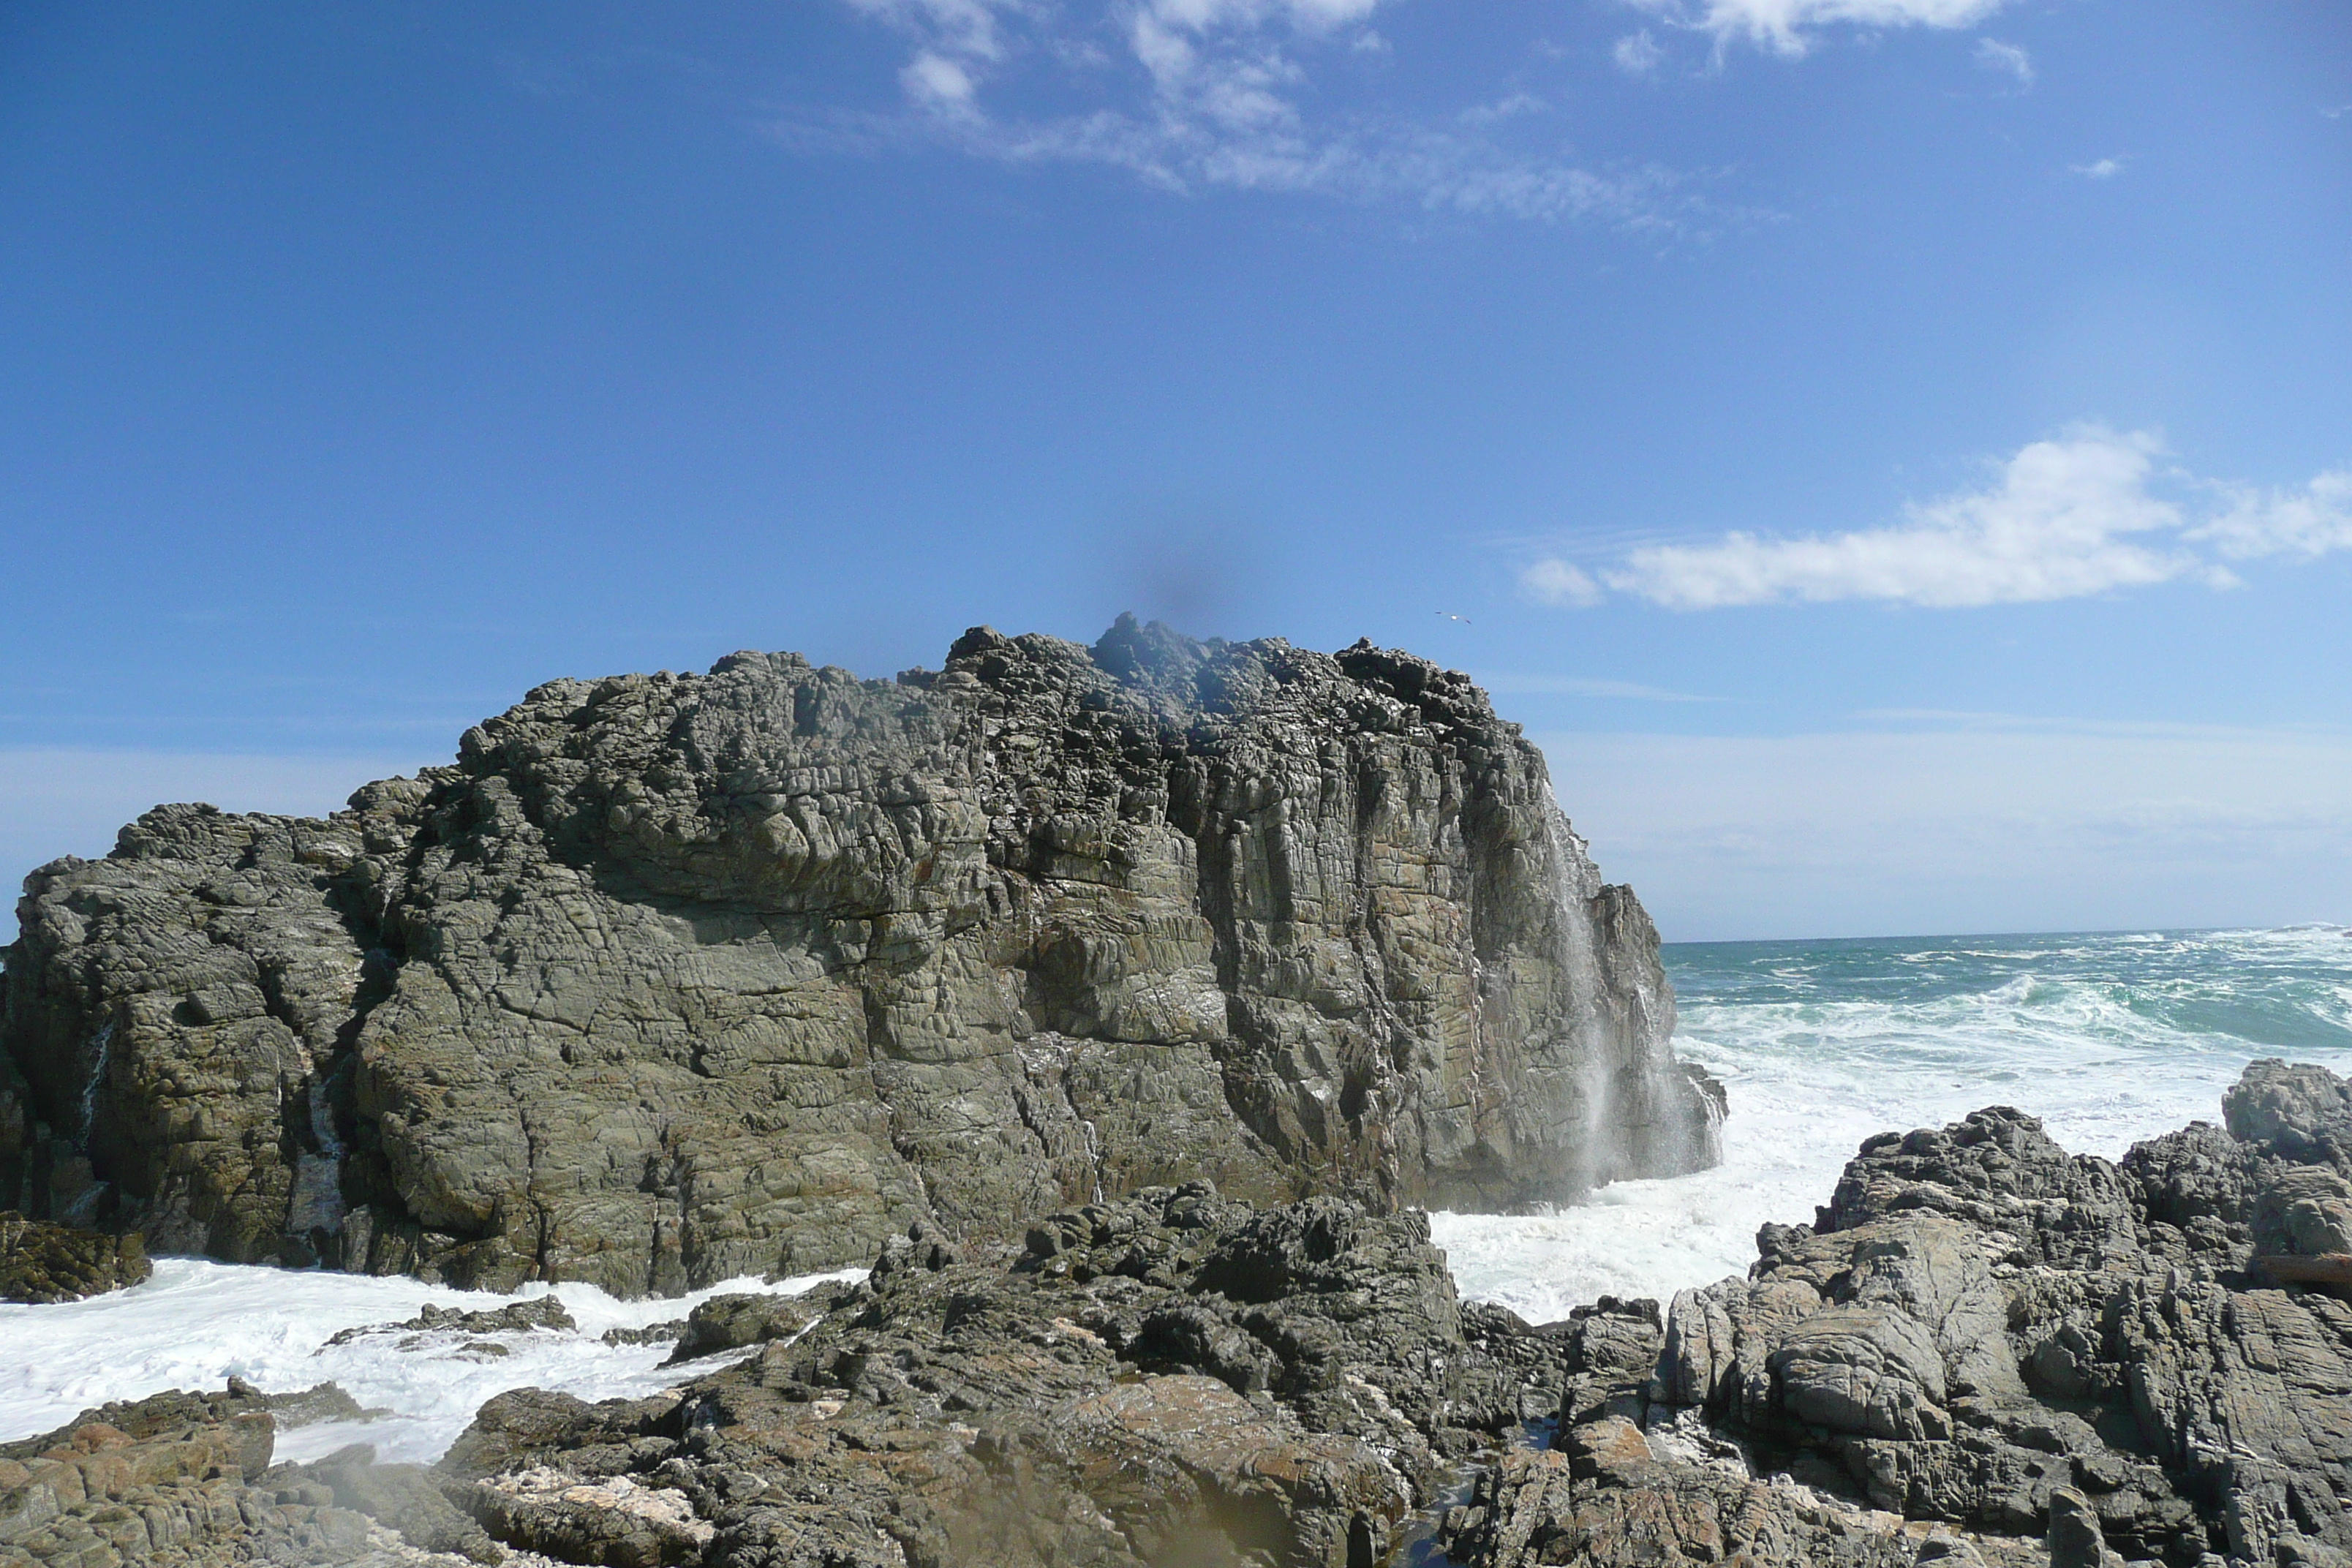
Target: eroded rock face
186 1481
675 978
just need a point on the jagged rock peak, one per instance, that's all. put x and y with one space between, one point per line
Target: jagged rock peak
673 977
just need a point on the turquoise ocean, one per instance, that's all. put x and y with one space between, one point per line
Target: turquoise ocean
2109 1039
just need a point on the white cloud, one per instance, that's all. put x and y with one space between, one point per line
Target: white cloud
1508 107
2067 518
1218 93
962 27
2104 169
937 81
1637 53
1995 56
2307 522
1553 582
1788 27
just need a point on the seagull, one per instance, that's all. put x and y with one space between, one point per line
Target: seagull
1451 616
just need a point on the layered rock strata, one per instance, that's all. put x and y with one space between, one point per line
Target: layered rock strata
673 978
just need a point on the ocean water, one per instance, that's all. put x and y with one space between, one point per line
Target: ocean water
197 1323
2108 1038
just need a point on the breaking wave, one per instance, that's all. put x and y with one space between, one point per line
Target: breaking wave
2108 1038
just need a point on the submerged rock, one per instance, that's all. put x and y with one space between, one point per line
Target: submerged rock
42 1263
674 978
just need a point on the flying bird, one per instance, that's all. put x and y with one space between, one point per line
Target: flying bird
1451 616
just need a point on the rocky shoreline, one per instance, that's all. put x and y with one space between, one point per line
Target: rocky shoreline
1982 1350
675 978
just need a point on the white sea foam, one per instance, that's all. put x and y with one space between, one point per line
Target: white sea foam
197 1323
2108 1039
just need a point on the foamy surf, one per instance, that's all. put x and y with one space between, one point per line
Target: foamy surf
197 1323
2109 1039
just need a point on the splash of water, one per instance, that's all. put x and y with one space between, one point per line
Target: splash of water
317 1202
2109 1039
101 1044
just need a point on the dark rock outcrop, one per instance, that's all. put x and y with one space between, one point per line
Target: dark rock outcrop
1173 1378
2035 1356
673 978
40 1263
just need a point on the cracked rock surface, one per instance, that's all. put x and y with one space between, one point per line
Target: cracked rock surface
675 978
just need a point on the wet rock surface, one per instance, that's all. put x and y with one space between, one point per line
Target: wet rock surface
677 978
41 1263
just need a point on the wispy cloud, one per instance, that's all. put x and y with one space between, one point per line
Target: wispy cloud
1637 53
1200 94
2006 59
2066 518
1791 28
2104 169
1555 581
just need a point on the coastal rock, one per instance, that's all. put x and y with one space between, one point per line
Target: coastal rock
1174 1378
675 978
186 1479
2035 1351
40 1263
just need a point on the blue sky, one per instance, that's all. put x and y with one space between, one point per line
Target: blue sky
1895 455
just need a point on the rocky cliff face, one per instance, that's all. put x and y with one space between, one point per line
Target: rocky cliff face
676 977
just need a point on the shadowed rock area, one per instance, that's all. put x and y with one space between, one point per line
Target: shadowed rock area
674 978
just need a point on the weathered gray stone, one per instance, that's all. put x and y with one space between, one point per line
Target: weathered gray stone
673 978
1172 1379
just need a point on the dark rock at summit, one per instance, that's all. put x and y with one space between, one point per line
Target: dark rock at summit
41 1263
675 978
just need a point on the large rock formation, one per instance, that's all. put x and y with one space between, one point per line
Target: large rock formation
675 977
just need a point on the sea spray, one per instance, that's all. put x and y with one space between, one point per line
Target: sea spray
316 1205
2109 1039
101 1044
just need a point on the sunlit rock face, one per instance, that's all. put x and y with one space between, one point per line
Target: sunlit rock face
675 977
